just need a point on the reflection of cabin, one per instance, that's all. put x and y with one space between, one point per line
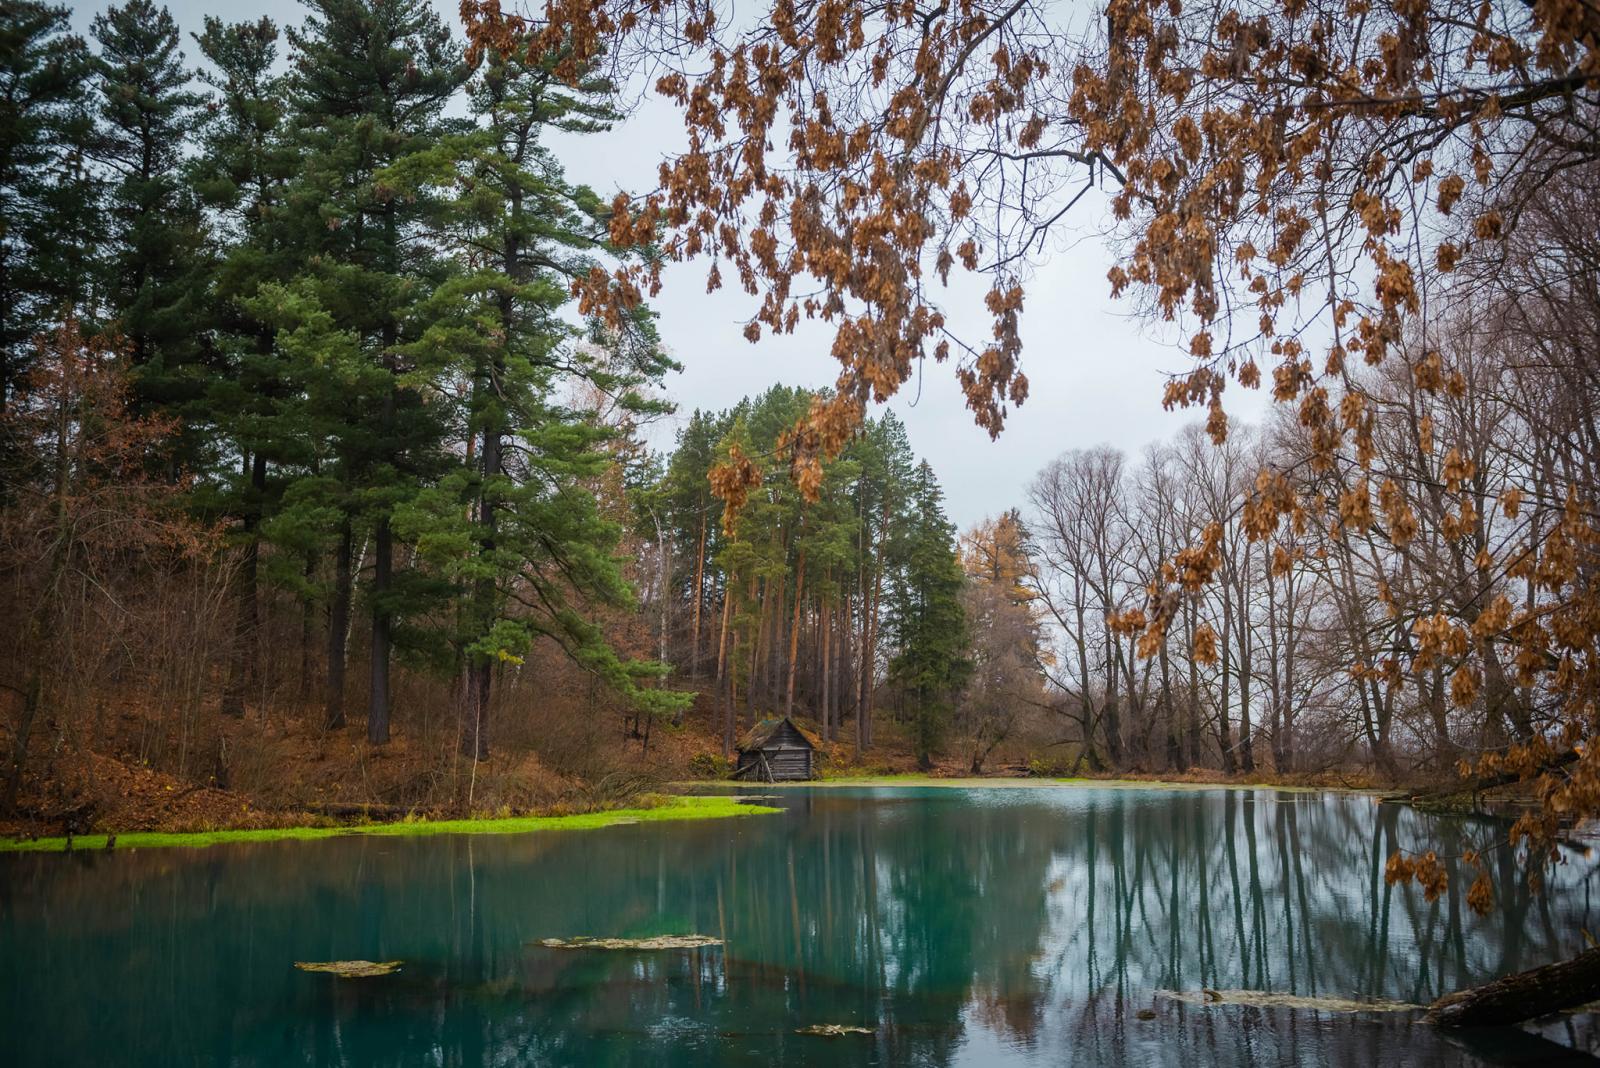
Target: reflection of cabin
775 750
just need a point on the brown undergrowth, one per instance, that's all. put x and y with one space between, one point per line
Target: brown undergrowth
279 767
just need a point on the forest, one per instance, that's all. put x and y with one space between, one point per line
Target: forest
349 492
311 432
327 402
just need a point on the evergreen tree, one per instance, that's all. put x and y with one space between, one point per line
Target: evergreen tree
48 197
692 513
801 586
926 615
516 527
242 176
887 464
370 81
153 273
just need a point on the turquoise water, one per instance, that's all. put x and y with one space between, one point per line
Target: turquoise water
962 927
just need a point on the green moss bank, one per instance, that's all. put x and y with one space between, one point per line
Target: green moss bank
674 808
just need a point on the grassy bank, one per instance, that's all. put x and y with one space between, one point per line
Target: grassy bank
674 808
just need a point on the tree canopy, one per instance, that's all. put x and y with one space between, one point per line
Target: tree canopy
1308 190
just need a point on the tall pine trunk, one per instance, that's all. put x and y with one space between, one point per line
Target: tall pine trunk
480 667
383 535
794 633
382 573
699 597
247 617
722 673
825 621
339 626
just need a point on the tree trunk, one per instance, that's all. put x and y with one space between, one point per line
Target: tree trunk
1112 715
1170 712
378 695
1224 726
722 673
339 627
699 596
722 636
869 654
794 633
760 596
1523 996
247 620
824 621
1247 758
303 693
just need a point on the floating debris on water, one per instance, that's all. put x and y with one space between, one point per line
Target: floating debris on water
1266 999
690 941
833 1030
351 969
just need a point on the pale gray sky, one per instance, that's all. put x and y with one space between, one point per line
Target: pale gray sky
1095 373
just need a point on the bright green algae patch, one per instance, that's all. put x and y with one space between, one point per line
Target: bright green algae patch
677 808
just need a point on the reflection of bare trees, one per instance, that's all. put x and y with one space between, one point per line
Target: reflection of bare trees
963 927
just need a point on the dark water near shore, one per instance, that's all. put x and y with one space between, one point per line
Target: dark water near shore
964 927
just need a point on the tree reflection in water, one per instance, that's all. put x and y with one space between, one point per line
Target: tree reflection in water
964 927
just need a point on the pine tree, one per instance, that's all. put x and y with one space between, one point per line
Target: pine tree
692 513
48 197
370 82
926 617
535 548
154 272
242 175
887 468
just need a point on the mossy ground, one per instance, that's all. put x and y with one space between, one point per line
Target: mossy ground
674 808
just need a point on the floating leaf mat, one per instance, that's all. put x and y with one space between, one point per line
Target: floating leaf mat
350 969
690 941
833 1030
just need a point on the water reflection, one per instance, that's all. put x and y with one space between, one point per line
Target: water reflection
964 927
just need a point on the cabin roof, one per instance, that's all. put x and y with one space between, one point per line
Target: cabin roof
758 736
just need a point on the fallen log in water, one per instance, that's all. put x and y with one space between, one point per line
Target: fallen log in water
1470 789
1523 996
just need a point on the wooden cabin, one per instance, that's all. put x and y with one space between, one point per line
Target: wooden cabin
776 750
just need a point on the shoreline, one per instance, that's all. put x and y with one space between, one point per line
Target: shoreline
678 808
1032 783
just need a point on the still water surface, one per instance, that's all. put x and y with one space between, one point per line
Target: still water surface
963 927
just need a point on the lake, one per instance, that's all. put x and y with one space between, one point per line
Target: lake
986 926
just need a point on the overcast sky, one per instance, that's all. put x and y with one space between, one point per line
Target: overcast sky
1095 373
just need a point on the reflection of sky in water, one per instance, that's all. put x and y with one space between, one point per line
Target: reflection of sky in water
965 927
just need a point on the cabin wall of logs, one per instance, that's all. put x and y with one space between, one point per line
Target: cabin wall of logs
776 750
